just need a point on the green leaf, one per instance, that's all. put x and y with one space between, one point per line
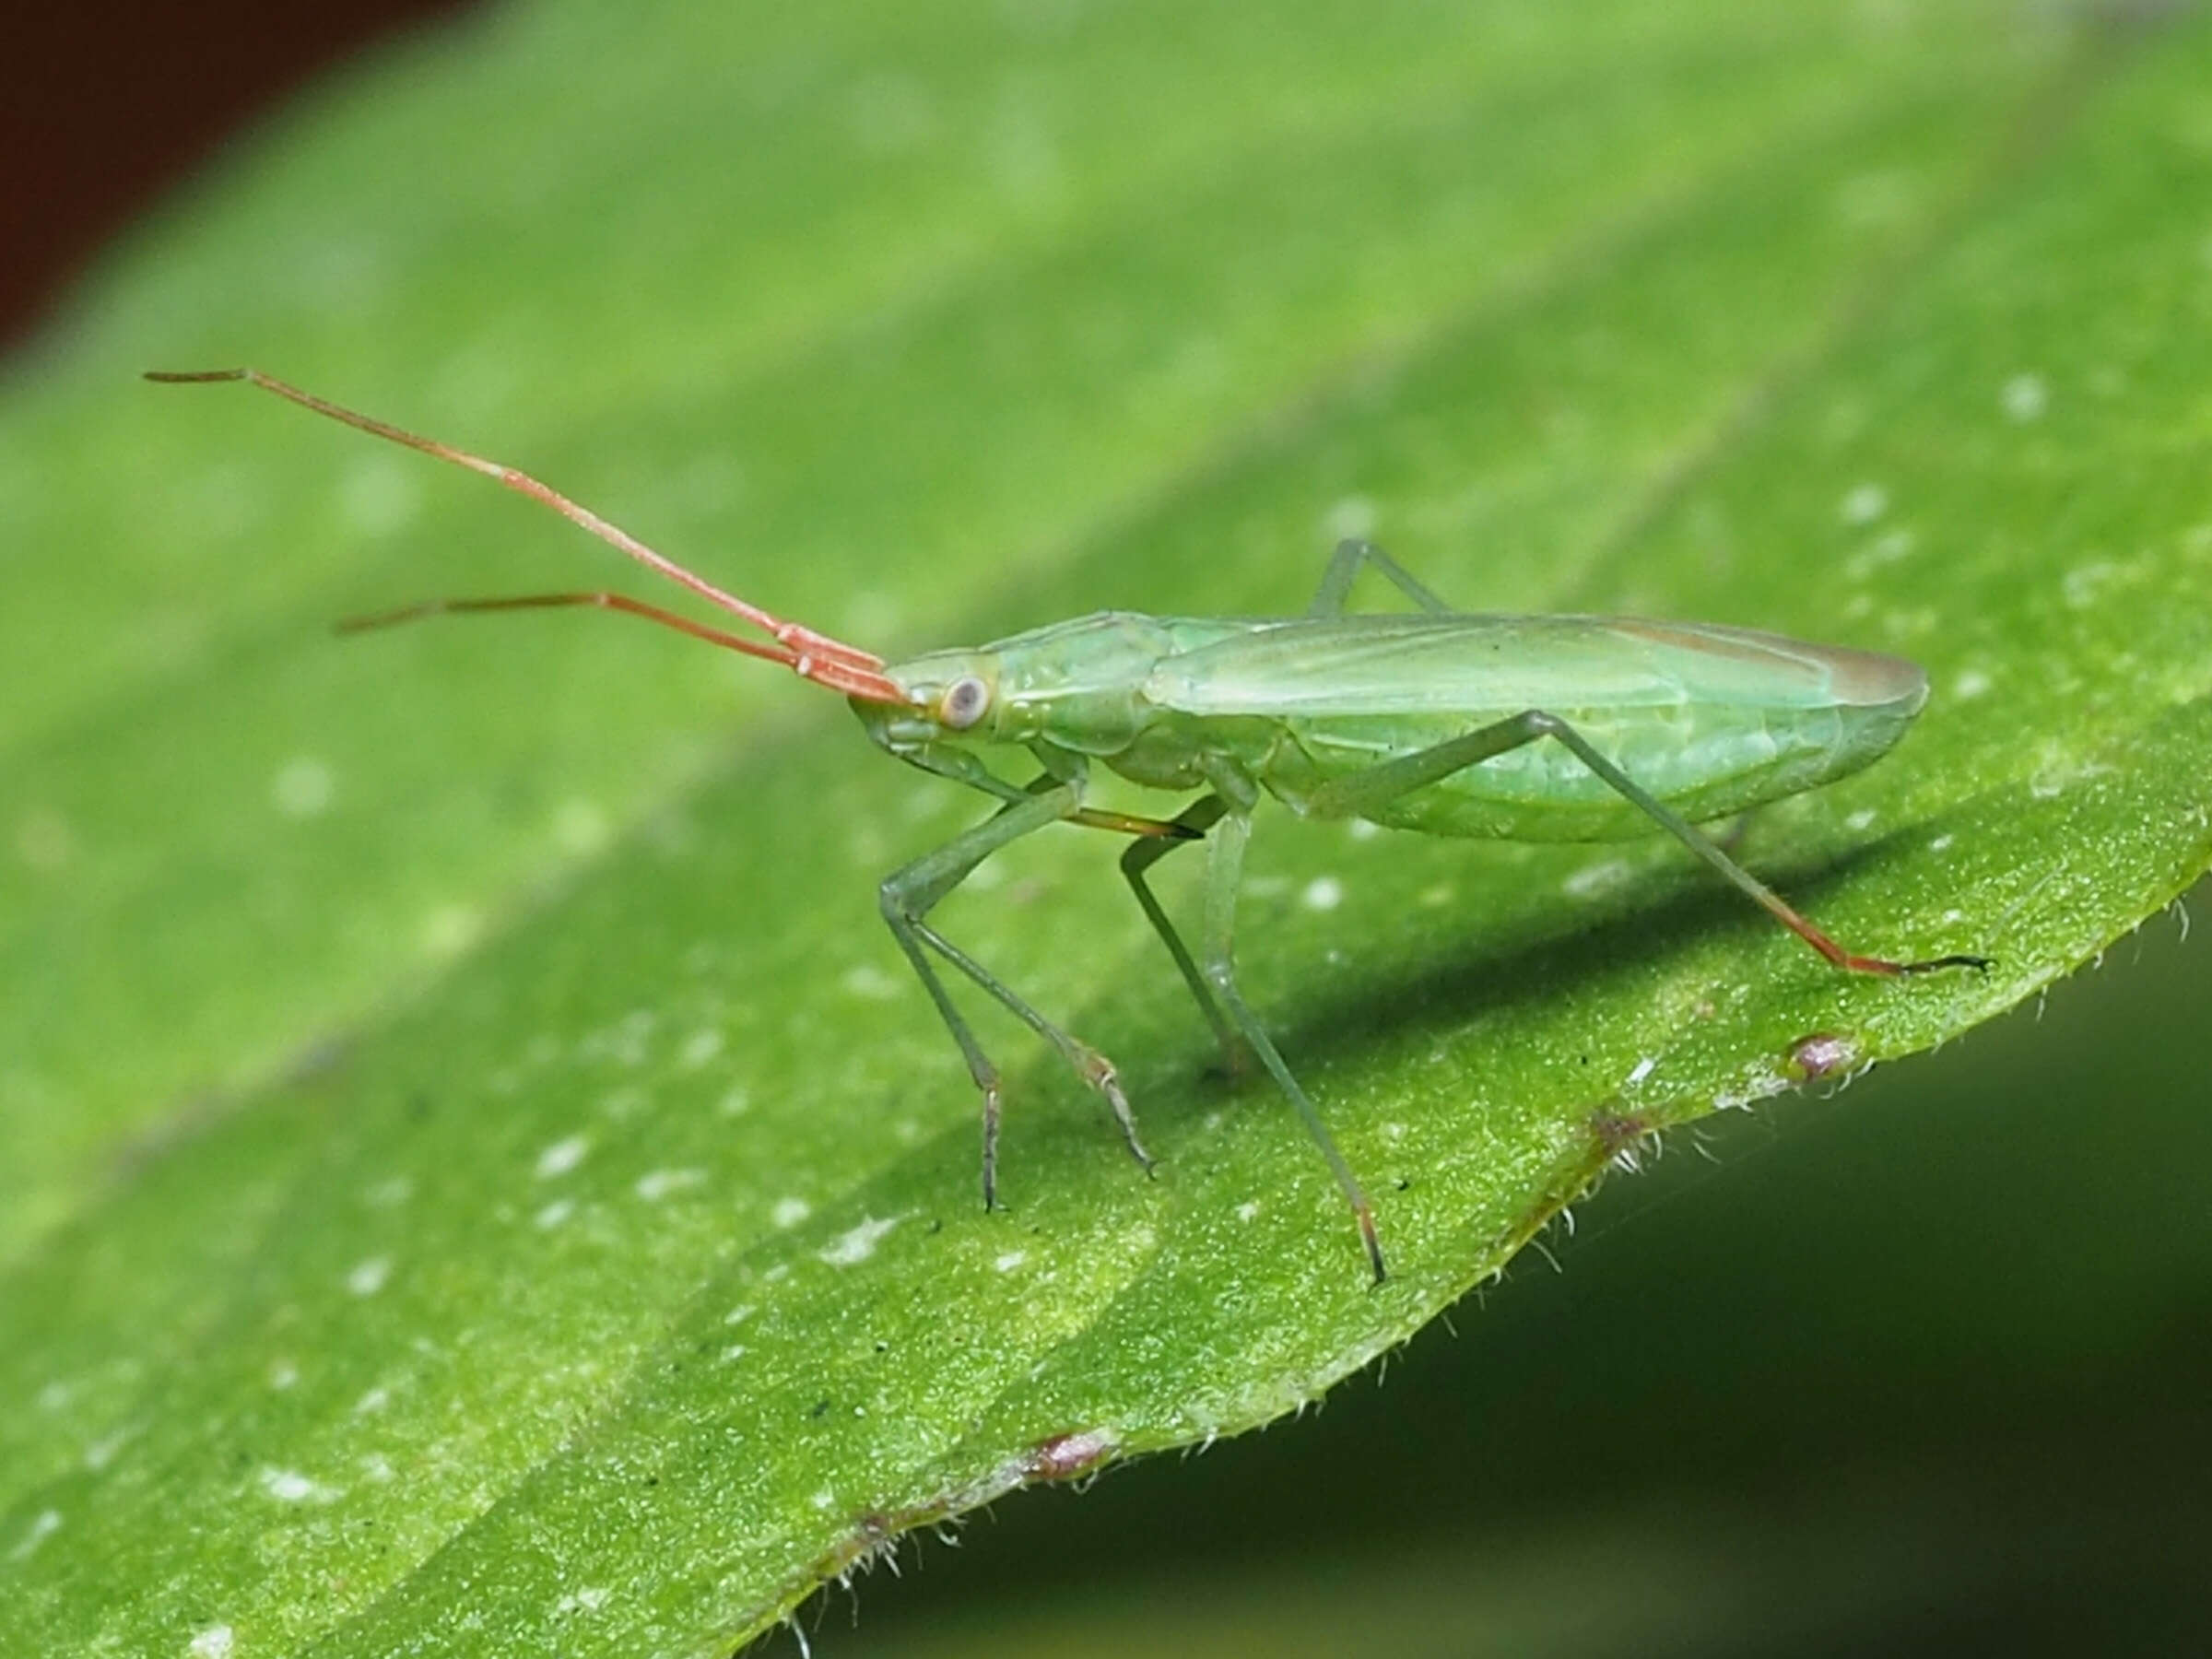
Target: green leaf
472 1174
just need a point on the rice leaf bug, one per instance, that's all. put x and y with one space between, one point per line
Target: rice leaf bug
1447 723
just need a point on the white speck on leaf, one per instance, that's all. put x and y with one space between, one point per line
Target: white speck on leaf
588 1600
43 1525
304 788
367 1277
554 1214
1248 1210
215 1641
289 1485
858 1244
789 1212
1862 503
283 1374
2084 585
1011 1260
1641 1069
700 1048
376 1399
2025 397
656 1184
1593 879
1969 685
563 1155
1323 893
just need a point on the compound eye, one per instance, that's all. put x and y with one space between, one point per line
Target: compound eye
964 702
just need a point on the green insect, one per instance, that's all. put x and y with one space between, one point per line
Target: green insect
1529 728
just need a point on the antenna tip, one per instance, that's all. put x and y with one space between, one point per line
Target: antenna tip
185 377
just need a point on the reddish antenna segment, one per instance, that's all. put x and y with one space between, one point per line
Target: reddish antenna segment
811 655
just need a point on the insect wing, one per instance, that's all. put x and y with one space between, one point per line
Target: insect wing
1415 665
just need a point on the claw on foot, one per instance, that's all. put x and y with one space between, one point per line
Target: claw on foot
1127 1120
1098 1071
1374 1245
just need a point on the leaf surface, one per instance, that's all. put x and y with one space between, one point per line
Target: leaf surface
473 1175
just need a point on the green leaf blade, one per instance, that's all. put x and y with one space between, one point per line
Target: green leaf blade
619 1275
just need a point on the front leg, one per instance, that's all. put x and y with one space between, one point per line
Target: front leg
910 894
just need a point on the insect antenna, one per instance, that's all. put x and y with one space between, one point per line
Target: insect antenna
812 656
601 600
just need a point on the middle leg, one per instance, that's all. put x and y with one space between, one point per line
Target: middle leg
1225 870
1195 820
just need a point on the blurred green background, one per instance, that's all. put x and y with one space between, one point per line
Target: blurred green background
1919 1365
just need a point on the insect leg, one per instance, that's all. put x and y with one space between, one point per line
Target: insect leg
1224 870
1365 790
1196 819
907 897
1344 566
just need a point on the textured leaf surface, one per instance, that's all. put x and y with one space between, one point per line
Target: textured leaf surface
472 1174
